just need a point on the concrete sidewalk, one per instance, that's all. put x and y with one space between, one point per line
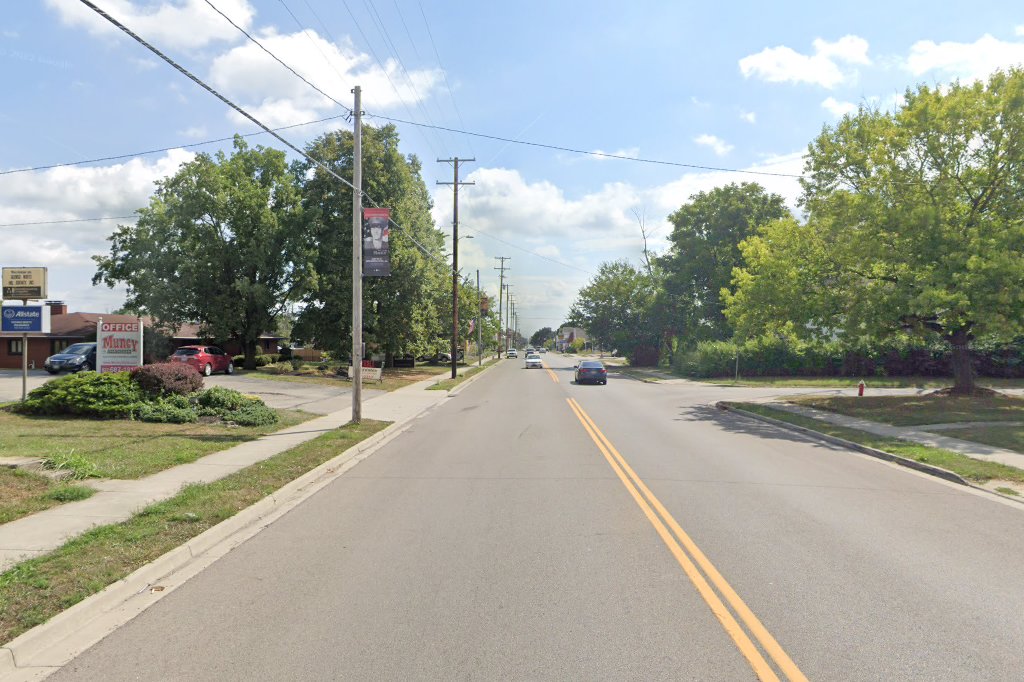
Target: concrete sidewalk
915 434
117 500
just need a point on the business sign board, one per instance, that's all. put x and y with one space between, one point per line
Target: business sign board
24 283
25 319
118 345
376 242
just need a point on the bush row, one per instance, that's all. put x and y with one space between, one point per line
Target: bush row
774 356
261 360
157 396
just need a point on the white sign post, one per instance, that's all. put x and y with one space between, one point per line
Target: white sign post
118 345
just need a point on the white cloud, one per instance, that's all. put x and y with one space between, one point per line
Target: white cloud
838 109
631 153
784 65
966 61
717 145
549 250
184 24
275 96
1019 30
748 116
194 132
70 193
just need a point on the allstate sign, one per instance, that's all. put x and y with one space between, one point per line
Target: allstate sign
25 319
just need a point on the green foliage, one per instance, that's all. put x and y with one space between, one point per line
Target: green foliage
542 337
296 364
235 407
85 394
403 312
70 493
78 467
617 308
166 378
913 225
706 236
170 409
221 243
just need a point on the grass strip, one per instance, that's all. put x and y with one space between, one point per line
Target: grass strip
122 448
449 383
914 410
969 468
851 382
1009 437
34 591
25 492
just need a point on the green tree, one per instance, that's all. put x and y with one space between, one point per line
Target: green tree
913 226
616 308
706 234
403 312
219 244
542 336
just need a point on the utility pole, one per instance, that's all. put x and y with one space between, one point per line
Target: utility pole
479 322
455 260
501 292
357 258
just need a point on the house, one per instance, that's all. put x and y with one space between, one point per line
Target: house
566 335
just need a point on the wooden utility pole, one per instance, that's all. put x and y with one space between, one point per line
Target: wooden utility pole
357 259
501 296
455 260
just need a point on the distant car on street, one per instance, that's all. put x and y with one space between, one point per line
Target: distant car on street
591 372
512 353
77 357
533 360
205 359
542 349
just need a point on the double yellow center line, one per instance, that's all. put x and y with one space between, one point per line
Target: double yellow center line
690 557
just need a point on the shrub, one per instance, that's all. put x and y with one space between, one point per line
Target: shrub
170 409
167 378
296 363
234 407
86 394
76 466
278 368
238 360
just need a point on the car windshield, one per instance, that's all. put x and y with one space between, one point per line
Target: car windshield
78 349
532 356
187 351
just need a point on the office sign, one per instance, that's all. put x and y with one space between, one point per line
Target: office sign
25 319
118 345
24 283
376 242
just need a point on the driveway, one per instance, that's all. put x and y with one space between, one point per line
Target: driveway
311 397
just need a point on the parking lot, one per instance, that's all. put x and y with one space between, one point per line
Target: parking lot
311 397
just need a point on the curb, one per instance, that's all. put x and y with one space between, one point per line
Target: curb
467 382
42 650
864 449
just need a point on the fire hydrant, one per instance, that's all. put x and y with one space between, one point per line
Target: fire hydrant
860 388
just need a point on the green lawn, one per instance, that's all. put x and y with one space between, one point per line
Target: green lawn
1010 437
967 467
393 378
34 591
851 382
920 409
449 383
24 492
122 448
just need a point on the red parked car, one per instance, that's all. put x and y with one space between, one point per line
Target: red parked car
206 359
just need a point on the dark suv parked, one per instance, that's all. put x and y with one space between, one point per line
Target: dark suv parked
74 358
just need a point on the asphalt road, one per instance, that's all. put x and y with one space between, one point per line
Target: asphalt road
503 537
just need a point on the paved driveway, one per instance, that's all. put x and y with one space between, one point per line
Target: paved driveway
311 397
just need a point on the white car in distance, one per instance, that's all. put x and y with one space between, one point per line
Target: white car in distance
533 360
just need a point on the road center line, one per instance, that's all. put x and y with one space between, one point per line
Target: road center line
554 377
648 504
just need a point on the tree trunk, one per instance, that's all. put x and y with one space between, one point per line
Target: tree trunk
250 354
963 371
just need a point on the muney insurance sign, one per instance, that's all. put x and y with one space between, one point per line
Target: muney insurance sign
25 319
118 345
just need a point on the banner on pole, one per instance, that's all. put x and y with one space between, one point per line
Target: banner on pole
376 242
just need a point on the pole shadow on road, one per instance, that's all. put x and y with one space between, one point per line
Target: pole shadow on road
736 423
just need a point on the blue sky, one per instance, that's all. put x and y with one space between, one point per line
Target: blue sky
739 86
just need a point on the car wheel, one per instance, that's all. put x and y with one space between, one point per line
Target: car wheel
230 368
207 370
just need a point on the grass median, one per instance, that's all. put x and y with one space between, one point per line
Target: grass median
852 382
969 468
34 591
392 378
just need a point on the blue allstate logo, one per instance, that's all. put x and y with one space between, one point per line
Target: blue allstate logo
9 313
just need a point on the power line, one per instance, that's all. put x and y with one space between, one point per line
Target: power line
532 253
118 157
70 220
